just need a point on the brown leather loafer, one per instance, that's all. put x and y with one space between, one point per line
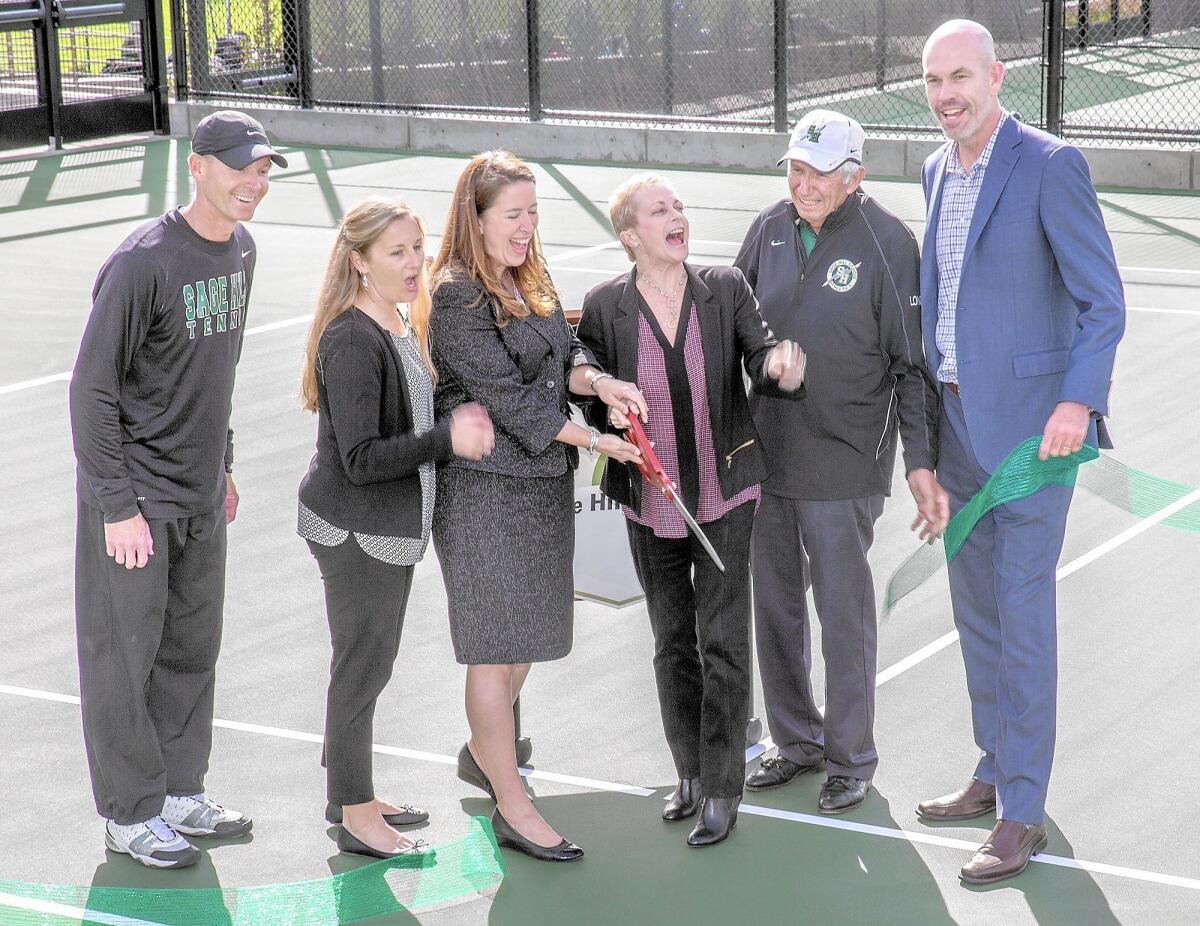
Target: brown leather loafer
1006 853
976 799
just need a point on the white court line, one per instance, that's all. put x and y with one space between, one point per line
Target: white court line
65 377
593 784
1135 874
1072 567
40 381
51 908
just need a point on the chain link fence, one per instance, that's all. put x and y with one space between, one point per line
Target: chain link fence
1130 68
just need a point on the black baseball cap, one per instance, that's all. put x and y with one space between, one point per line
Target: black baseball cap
235 139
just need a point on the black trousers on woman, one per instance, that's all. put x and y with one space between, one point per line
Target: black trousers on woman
365 601
701 623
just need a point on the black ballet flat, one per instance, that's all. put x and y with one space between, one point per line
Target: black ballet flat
421 851
408 815
509 838
470 772
684 802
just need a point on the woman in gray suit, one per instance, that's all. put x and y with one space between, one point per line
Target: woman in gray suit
504 526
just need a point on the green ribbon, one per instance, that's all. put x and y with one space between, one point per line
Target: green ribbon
1020 475
459 871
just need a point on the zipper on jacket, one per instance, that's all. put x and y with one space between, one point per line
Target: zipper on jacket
729 456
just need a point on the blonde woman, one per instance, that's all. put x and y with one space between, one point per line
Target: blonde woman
687 334
504 527
366 503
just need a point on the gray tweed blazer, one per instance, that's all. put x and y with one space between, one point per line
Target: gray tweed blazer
518 372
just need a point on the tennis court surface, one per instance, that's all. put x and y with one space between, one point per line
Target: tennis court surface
1123 806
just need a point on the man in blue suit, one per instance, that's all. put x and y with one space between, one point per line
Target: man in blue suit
1022 310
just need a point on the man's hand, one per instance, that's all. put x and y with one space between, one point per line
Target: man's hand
1065 430
231 499
933 503
786 364
129 542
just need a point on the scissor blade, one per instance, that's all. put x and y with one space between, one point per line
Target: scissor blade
696 529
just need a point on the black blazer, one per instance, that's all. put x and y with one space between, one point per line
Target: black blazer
364 475
518 372
732 333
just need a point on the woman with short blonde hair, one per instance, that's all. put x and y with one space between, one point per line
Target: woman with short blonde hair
685 334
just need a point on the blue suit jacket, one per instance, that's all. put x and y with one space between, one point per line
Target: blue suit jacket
1041 306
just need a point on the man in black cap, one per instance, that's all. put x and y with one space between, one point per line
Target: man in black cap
150 401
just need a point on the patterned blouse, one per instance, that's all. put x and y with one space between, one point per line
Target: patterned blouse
396 551
671 377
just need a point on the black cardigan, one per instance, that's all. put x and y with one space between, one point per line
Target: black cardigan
732 333
364 475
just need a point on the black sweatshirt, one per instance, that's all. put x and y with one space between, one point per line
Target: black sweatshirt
853 306
152 387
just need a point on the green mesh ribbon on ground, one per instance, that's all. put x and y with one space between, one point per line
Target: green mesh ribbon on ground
461 871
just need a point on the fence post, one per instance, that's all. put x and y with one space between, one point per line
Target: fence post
1054 49
375 38
197 45
179 46
880 43
301 45
781 62
533 58
668 56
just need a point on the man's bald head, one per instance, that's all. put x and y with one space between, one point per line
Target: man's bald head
962 83
966 33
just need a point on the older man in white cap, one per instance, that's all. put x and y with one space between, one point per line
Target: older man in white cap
837 273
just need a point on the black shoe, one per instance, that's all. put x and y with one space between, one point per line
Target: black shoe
777 771
348 842
841 792
684 802
408 815
470 772
509 838
718 816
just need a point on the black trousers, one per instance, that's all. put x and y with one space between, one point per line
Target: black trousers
365 601
701 623
148 642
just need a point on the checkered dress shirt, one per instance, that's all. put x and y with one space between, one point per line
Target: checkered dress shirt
658 513
960 192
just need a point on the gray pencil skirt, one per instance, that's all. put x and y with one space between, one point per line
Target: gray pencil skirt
506 545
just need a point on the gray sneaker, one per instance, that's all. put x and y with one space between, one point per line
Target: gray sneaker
196 815
151 842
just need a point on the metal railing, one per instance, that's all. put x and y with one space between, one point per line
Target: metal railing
1104 68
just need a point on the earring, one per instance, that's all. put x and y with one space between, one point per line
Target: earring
366 285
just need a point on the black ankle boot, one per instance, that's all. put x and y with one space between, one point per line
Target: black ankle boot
684 802
718 815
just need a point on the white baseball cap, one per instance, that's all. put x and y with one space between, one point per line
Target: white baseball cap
824 140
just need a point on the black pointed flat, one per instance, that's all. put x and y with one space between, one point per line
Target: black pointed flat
509 838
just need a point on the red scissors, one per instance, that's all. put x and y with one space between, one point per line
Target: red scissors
654 474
